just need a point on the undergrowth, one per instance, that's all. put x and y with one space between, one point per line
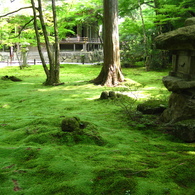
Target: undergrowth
129 157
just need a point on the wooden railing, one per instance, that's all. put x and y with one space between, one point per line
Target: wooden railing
81 39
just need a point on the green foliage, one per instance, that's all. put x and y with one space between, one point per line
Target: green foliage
12 31
158 17
173 13
18 28
131 46
132 38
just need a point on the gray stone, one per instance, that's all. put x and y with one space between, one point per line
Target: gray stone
181 107
179 39
177 84
190 21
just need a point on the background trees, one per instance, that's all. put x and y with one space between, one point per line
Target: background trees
155 17
140 22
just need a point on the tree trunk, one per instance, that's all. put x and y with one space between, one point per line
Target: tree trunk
38 40
52 73
110 74
146 45
56 45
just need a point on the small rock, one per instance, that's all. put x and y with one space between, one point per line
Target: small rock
12 78
5 77
70 124
112 95
15 79
104 95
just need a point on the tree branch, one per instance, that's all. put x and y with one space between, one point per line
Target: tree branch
148 3
15 11
23 28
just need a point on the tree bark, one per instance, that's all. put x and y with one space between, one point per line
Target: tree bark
146 45
56 45
52 73
38 40
110 74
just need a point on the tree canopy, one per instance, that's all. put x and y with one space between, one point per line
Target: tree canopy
140 22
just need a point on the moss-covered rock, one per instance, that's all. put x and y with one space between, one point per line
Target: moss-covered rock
77 131
181 107
111 95
70 124
184 130
12 78
104 95
151 107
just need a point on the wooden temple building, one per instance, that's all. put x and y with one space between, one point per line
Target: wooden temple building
87 39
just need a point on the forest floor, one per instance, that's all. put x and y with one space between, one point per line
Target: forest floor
118 153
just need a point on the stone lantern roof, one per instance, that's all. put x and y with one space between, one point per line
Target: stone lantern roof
182 44
179 39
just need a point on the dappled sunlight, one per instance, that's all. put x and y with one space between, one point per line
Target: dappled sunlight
191 152
47 89
95 97
155 88
5 106
132 83
24 83
136 94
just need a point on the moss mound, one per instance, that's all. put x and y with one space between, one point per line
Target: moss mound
80 131
112 182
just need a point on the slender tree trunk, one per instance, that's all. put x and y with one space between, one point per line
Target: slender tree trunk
52 73
110 74
56 45
50 78
45 33
146 45
38 40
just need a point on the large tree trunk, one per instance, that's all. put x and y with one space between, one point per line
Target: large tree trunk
110 74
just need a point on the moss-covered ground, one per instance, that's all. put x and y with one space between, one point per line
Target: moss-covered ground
37 158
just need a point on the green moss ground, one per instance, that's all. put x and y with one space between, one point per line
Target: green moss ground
36 157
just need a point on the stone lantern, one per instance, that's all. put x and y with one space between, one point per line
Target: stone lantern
181 79
183 63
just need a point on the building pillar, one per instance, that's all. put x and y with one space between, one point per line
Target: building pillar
84 47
